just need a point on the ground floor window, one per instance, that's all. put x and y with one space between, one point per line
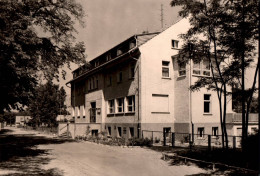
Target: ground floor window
200 132
214 131
109 130
124 130
94 132
131 130
119 131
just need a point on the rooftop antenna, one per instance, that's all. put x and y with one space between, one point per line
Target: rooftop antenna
162 16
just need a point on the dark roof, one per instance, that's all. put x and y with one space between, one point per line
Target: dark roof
141 39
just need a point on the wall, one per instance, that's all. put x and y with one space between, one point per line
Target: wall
153 52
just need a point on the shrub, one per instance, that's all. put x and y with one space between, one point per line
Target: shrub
140 142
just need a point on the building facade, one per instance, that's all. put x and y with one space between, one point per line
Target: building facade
139 85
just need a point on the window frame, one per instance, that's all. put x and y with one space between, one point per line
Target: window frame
174 44
180 69
209 104
201 70
122 105
201 132
165 66
215 132
111 107
132 103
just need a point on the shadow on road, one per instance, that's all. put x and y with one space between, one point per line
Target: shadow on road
19 154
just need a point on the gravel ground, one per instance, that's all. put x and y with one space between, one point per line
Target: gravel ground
91 159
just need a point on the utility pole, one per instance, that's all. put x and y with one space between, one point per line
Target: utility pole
162 16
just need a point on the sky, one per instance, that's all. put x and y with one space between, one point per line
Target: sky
109 22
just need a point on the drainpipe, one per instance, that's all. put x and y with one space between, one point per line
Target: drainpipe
74 112
190 99
138 92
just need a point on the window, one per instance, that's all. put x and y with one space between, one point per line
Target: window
109 80
132 44
83 111
119 131
97 63
120 105
120 77
97 83
119 52
131 130
108 57
109 131
124 130
132 71
78 113
215 131
130 103
207 106
201 68
111 106
182 68
175 43
200 132
165 69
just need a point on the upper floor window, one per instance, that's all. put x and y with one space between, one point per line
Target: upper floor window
130 103
132 71
165 69
83 111
120 105
111 106
207 103
120 77
201 68
182 68
109 80
175 43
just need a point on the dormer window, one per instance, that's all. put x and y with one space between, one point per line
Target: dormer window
97 63
175 44
108 57
132 44
119 52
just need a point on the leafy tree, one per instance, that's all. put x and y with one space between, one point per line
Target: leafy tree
8 117
47 103
27 53
217 33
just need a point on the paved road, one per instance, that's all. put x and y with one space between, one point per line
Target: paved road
85 158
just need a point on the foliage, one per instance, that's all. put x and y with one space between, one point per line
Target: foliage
8 117
141 142
37 39
47 103
224 33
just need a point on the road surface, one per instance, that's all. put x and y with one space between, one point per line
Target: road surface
86 158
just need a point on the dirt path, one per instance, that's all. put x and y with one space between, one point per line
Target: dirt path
85 158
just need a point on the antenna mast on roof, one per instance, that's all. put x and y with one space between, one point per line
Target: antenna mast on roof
162 16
